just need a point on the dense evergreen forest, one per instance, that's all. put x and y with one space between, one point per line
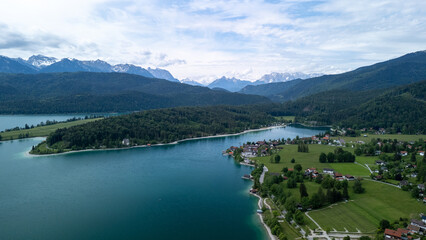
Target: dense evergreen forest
155 126
86 92
401 109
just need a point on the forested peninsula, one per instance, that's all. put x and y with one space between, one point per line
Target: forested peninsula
154 127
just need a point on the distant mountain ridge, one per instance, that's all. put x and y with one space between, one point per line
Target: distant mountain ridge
190 82
162 74
44 64
276 77
236 85
230 84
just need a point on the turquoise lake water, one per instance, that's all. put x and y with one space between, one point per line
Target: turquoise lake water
182 191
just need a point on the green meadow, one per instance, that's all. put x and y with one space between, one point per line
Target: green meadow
365 211
311 160
43 130
351 169
399 137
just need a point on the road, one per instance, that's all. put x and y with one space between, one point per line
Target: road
390 184
262 177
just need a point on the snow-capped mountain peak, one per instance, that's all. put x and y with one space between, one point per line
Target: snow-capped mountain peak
284 77
40 61
191 82
162 74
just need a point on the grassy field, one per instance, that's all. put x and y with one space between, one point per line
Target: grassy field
44 130
311 159
289 231
351 169
311 188
400 137
364 211
367 160
307 160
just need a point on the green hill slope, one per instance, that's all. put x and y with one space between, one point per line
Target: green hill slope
407 69
401 108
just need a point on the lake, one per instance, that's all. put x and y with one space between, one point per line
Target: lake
182 191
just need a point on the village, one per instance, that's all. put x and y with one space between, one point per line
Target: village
394 163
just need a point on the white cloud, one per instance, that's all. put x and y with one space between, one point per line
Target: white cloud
204 39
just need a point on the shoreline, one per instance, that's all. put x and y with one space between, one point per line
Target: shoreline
312 126
259 204
155 145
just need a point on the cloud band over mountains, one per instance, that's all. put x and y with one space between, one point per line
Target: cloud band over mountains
204 39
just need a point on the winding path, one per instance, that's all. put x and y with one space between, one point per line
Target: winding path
364 166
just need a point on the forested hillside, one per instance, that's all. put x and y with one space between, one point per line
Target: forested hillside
104 92
407 69
401 108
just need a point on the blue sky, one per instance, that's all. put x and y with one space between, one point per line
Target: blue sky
203 40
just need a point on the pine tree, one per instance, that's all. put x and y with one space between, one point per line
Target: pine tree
358 187
413 157
345 190
303 192
321 196
323 158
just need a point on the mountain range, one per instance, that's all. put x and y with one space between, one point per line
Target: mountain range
235 85
43 64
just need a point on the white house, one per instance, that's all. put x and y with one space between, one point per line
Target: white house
125 142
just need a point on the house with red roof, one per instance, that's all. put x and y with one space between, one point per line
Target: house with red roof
392 234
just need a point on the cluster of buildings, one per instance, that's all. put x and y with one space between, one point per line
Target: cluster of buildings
416 227
329 171
325 140
257 149
409 170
